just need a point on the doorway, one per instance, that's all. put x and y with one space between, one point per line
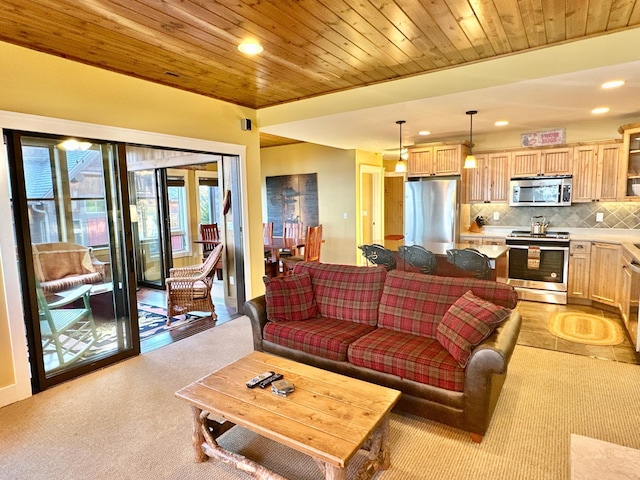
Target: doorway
174 193
371 207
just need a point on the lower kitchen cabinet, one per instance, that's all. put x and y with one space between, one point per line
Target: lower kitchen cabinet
603 273
629 293
579 265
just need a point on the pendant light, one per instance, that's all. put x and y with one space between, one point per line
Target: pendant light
401 165
470 161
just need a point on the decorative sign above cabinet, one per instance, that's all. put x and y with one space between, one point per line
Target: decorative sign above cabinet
541 139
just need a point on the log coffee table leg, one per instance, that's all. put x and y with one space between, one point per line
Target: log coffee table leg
335 473
197 436
385 457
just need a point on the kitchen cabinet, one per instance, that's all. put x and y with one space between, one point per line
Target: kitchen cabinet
474 181
629 293
532 163
476 241
603 273
595 172
436 160
489 182
579 264
494 241
629 185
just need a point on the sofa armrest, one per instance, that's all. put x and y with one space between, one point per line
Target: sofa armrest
100 266
256 310
486 372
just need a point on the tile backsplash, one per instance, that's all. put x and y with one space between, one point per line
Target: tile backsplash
578 215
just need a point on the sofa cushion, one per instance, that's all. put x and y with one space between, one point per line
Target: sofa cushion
67 283
346 292
324 337
290 298
467 322
411 357
415 303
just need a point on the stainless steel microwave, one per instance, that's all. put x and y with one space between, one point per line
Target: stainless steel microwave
540 191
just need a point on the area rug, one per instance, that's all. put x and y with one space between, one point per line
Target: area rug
151 321
579 327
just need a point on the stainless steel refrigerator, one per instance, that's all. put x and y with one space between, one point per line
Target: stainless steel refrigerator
431 210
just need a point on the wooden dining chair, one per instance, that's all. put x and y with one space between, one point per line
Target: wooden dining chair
311 250
291 230
267 230
209 233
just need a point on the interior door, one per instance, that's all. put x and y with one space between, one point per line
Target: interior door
72 236
152 244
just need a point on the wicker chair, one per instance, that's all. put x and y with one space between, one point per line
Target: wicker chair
189 288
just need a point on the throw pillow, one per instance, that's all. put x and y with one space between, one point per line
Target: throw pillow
290 298
468 322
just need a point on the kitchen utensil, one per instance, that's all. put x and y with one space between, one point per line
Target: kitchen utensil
539 227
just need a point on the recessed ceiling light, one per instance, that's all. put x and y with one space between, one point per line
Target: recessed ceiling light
613 84
501 123
599 110
424 132
250 47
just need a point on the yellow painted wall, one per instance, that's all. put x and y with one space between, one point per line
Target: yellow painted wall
44 85
336 170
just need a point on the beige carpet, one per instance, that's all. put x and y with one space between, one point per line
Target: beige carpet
585 328
124 422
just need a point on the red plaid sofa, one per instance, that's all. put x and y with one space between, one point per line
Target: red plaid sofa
382 327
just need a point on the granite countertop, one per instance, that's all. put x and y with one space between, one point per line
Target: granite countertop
625 237
491 251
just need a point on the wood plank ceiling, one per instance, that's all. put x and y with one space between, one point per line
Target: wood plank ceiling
311 47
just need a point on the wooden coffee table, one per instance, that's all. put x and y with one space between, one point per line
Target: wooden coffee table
329 417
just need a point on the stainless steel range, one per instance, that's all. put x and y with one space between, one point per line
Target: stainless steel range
539 265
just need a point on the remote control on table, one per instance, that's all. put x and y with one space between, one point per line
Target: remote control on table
267 381
257 379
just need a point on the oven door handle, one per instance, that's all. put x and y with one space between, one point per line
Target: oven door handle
525 247
634 266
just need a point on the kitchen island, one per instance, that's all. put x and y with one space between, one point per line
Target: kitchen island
497 258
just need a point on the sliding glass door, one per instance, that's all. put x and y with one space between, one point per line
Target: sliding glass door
73 239
149 214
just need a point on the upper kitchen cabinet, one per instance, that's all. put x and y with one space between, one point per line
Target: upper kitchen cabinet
489 182
434 160
630 177
532 163
595 172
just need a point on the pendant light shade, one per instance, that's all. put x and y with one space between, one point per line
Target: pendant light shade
401 165
470 161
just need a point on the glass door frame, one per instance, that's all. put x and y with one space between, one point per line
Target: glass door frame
164 230
117 184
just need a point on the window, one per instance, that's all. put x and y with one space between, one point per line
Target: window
178 213
209 199
65 193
